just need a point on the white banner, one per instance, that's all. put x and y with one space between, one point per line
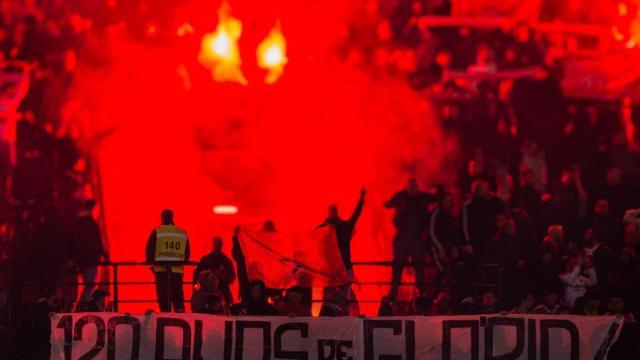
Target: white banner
195 336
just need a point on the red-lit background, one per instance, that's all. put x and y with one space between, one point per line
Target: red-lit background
173 137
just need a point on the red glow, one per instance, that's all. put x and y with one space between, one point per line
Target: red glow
282 151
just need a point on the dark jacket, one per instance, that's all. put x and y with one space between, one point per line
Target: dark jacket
214 262
479 220
411 211
344 232
87 247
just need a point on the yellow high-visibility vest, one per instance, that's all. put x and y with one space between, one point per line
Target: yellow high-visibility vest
171 245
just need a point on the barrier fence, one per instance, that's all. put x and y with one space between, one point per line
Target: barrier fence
113 281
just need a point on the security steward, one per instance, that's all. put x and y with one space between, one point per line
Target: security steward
167 245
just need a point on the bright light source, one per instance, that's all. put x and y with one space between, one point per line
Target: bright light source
272 54
219 50
225 209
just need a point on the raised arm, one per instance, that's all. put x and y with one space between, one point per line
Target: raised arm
358 210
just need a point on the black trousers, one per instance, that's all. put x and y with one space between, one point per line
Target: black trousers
169 291
407 247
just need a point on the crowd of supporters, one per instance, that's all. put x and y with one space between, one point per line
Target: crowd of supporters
547 194
47 206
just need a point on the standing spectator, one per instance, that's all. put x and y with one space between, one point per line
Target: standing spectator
555 239
344 234
479 219
53 244
545 270
22 247
601 218
527 192
524 226
571 198
6 167
444 235
598 254
508 251
527 303
87 248
166 246
578 276
534 164
411 221
218 263
620 196
624 279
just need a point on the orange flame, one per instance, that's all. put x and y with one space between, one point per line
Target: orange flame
219 50
272 54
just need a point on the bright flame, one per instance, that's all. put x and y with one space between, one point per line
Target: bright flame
219 50
272 54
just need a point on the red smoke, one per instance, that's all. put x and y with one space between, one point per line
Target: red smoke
283 151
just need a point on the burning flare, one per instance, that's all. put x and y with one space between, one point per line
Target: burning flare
272 54
219 51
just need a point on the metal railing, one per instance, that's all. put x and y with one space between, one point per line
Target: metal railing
115 282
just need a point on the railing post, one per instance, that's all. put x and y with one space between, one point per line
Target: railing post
115 287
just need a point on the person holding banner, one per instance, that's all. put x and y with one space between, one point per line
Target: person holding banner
168 245
344 233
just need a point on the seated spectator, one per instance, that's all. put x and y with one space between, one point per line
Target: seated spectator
215 306
442 305
590 304
489 303
335 305
97 303
387 307
579 275
217 262
527 303
617 306
549 304
292 305
206 286
32 339
256 304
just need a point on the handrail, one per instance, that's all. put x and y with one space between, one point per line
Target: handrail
116 281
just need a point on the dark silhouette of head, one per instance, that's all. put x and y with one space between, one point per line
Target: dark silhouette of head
257 291
89 205
269 226
217 244
332 213
166 216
